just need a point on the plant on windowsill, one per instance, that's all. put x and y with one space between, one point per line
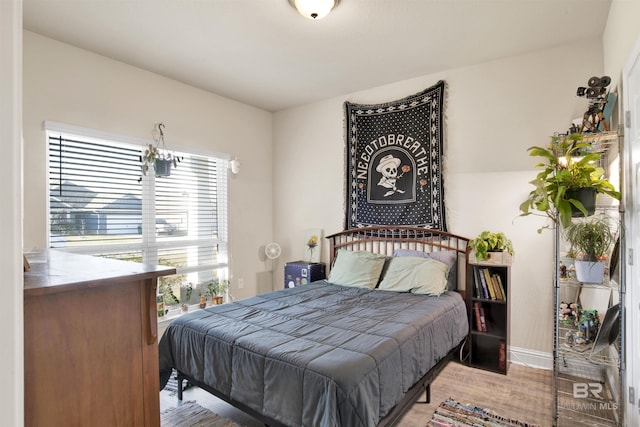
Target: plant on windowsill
203 301
568 183
158 157
188 291
592 239
492 247
216 289
170 298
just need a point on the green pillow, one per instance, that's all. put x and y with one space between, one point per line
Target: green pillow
358 269
415 274
448 257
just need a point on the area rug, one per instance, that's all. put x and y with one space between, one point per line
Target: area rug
190 414
394 161
454 414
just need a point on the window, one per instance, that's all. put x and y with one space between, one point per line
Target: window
101 204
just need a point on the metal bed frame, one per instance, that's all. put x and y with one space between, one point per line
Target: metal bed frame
381 240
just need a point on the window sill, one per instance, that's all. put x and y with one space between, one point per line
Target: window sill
174 314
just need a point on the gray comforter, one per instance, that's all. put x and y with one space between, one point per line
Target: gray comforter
319 354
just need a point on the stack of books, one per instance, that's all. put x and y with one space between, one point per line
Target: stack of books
487 285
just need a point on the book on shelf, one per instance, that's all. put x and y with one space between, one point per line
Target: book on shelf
477 283
487 278
481 324
500 296
476 311
488 285
501 287
502 355
496 289
480 279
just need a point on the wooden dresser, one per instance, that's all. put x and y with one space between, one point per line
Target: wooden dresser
90 341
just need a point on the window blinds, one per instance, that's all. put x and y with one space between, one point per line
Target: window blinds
101 204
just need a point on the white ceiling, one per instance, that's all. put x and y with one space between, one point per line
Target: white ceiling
261 52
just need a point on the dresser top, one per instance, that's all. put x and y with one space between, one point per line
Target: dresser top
57 271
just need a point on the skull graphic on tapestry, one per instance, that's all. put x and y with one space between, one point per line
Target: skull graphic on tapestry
396 181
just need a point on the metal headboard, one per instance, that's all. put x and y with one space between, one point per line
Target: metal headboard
386 239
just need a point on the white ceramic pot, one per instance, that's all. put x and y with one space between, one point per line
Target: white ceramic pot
589 272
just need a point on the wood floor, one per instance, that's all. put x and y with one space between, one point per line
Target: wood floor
524 394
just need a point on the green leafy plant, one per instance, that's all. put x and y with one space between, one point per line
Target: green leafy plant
567 165
217 287
187 291
488 241
169 297
592 238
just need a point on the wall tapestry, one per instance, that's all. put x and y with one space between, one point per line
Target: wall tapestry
394 161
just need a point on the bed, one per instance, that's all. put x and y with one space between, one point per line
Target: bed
334 352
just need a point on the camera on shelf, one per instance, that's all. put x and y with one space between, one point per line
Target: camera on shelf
596 92
597 88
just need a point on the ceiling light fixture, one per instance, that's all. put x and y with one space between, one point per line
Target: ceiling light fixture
313 9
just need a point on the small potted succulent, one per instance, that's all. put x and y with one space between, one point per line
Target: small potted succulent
492 247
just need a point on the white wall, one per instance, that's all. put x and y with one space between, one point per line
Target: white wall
11 315
70 85
495 111
621 35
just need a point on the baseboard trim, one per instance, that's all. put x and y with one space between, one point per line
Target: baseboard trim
531 358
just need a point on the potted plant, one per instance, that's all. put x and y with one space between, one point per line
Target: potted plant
569 181
216 290
592 239
492 247
165 288
188 291
203 301
158 156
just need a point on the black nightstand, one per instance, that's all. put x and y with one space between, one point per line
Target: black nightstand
298 273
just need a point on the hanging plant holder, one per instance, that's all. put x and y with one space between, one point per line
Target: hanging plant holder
158 156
